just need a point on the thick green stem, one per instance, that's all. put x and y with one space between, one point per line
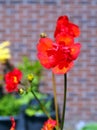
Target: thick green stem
42 107
55 98
64 104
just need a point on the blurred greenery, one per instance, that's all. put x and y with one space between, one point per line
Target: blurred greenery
90 126
34 108
31 67
9 105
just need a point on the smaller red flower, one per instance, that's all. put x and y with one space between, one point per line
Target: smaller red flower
50 124
12 80
66 26
13 124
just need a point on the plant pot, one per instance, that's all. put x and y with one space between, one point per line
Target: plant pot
5 122
36 122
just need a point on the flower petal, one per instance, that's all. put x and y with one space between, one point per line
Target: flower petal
66 26
75 50
44 44
64 70
74 29
65 39
44 60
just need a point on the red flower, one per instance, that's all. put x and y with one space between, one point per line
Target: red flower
58 56
66 26
12 79
13 124
50 124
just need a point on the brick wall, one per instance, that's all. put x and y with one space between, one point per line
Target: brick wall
21 22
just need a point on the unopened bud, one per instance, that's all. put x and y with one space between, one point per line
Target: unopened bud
30 77
21 91
43 35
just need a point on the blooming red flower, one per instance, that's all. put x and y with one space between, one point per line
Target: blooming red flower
58 56
50 124
66 26
12 79
13 124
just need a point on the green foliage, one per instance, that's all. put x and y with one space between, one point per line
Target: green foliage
34 108
11 106
90 126
34 67
8 105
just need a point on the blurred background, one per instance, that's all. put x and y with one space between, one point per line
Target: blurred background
22 21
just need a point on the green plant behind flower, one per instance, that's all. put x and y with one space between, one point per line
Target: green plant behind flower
8 105
34 108
31 67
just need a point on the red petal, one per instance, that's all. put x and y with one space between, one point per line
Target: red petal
11 87
64 70
61 25
65 39
44 60
74 29
13 124
16 72
62 20
44 44
75 50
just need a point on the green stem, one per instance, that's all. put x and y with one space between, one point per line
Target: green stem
42 107
64 104
55 98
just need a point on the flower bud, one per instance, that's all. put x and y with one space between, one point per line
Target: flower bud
21 91
30 77
43 35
